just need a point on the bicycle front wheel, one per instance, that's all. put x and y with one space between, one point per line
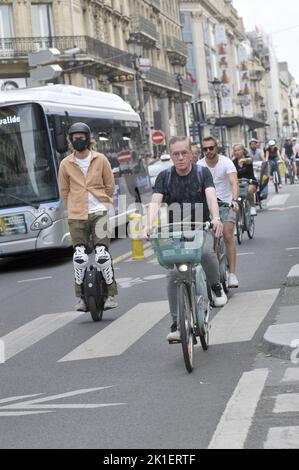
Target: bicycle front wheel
186 326
239 226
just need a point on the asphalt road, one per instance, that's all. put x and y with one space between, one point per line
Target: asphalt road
70 383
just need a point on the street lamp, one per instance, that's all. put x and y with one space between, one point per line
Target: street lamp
216 83
179 77
241 97
276 114
136 49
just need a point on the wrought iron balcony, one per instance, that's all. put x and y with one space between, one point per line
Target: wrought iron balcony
167 81
177 50
12 48
145 30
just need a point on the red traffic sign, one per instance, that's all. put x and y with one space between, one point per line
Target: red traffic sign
158 137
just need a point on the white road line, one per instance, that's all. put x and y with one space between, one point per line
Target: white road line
292 249
287 403
32 332
36 279
291 375
282 438
245 254
232 430
239 320
279 200
121 334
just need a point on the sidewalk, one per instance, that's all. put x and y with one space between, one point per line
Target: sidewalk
282 338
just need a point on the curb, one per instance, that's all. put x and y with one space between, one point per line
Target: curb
293 277
279 339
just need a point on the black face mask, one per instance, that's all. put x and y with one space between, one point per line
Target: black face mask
80 145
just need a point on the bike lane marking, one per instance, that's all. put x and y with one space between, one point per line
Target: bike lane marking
238 321
34 331
279 200
116 338
234 425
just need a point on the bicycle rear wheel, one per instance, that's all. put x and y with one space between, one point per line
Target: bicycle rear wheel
186 326
251 228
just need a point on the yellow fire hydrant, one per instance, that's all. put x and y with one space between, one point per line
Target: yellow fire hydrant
135 224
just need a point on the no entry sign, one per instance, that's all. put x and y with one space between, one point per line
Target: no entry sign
158 137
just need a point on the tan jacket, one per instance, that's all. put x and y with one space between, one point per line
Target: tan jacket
74 186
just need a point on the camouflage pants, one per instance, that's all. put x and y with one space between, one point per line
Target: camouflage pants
90 233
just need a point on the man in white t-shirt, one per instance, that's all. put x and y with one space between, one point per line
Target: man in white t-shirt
227 188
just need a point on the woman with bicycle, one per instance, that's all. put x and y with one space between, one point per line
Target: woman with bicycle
244 166
273 156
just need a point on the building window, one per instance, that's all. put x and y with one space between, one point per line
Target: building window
42 22
6 27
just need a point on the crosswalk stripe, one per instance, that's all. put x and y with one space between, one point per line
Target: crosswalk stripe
287 403
29 334
282 438
232 430
279 200
239 320
121 334
291 375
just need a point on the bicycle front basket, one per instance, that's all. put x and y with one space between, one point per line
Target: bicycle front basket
178 247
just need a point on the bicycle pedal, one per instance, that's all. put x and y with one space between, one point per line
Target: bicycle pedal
174 342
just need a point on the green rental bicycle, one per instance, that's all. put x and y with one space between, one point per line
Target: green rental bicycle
179 246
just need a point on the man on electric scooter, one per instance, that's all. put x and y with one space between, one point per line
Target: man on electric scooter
87 185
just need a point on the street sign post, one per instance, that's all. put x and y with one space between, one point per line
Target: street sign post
158 138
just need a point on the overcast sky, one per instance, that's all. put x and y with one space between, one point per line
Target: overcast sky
275 16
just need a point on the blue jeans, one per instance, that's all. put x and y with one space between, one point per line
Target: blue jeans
274 166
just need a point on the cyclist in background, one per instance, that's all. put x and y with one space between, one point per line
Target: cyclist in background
227 188
192 186
273 156
244 166
255 152
289 156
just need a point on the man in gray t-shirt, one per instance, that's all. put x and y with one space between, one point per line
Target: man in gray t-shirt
255 153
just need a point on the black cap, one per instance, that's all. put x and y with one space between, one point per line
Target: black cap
79 127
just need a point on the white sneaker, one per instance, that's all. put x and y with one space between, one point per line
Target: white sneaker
110 303
233 282
253 212
219 296
174 336
81 306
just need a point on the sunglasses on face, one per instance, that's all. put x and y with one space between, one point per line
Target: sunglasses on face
209 149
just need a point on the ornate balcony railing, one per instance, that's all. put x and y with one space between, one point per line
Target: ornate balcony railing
174 44
145 29
21 47
167 80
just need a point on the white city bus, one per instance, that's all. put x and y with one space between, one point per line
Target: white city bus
33 129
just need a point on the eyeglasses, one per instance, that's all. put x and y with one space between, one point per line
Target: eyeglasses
209 149
184 154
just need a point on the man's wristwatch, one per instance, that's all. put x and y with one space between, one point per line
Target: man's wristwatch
217 218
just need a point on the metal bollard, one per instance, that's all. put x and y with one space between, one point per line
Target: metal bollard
135 224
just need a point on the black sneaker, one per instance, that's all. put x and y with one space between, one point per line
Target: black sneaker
219 297
174 336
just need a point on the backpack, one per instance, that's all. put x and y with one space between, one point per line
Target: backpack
199 174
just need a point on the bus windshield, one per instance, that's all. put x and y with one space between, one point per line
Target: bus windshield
26 164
